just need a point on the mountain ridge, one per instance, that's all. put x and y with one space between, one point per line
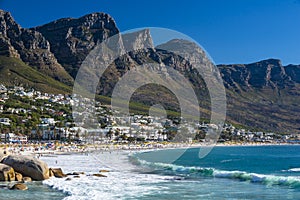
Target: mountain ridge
263 94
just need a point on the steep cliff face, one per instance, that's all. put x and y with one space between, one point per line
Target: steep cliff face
72 39
260 75
293 71
138 40
8 27
31 47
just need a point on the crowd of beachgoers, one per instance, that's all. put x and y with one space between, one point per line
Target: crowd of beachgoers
44 148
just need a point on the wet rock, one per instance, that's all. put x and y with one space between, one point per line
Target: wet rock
103 170
99 175
75 173
58 173
51 174
19 186
19 177
26 179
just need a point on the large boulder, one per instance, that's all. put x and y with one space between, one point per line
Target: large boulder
28 166
7 173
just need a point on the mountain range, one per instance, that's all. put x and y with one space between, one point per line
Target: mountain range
264 95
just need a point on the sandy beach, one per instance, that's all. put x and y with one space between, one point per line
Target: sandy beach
40 149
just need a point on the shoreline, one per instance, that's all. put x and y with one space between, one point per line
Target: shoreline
30 149
109 164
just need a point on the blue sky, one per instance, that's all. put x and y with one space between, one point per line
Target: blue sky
231 31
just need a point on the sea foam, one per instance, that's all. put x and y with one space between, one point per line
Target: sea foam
122 180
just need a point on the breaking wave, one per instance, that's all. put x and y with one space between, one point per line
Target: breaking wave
198 172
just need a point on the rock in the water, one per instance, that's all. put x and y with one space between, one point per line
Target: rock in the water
51 173
19 177
103 170
26 179
68 179
19 186
99 175
4 187
28 166
7 173
75 173
58 173
76 176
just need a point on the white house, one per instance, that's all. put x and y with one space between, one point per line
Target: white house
49 121
11 137
5 121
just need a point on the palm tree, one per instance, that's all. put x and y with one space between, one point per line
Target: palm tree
77 136
54 133
28 132
39 134
85 135
48 130
1 129
65 133
6 131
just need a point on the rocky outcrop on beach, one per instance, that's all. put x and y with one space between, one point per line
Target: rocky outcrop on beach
28 166
57 172
22 169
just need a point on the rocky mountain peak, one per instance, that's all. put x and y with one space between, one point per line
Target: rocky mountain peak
138 40
30 46
98 20
8 28
72 39
7 21
270 62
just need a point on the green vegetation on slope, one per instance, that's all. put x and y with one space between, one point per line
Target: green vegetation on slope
15 72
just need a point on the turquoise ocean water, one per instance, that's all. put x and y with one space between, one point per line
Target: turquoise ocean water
248 172
254 172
